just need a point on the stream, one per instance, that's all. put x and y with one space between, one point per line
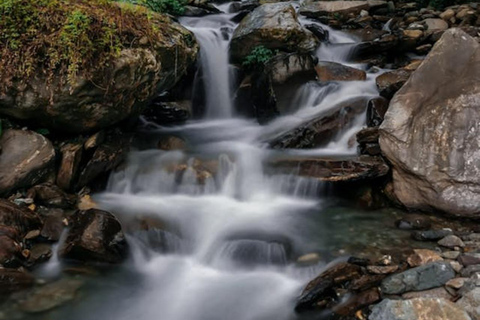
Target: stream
226 247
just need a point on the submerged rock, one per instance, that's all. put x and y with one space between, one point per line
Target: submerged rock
94 236
430 133
26 158
275 26
417 309
22 220
13 280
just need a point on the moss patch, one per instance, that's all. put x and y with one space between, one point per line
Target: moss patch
64 39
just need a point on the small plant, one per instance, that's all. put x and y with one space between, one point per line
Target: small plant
257 58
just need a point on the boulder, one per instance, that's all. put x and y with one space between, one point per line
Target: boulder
22 220
431 128
26 158
69 165
274 26
417 309
51 195
154 52
428 276
341 9
390 82
94 236
332 71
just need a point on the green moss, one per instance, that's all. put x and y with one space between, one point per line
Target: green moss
67 38
174 7
257 58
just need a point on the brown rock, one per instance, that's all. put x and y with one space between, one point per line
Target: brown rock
437 293
50 195
12 280
95 140
20 219
451 242
332 71
382 269
357 301
422 256
171 143
468 260
390 82
366 282
456 283
341 9
69 165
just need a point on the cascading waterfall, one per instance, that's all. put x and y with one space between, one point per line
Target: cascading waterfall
227 234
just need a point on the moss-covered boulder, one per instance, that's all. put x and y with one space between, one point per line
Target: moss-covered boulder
80 65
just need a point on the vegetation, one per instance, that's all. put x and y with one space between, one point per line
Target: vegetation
63 38
257 58
174 7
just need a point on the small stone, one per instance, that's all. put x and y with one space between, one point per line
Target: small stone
309 259
447 14
382 269
468 260
386 260
469 271
413 222
450 255
422 256
456 266
439 293
430 235
456 283
451 241
32 234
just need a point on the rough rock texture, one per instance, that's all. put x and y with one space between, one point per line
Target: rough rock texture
417 309
471 303
428 276
26 158
331 71
390 82
138 74
274 26
21 219
96 236
340 8
430 132
12 280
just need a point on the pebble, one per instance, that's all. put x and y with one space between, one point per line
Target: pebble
451 241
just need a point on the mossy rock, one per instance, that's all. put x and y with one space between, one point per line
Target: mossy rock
81 65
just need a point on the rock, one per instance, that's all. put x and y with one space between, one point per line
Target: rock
334 170
94 140
468 260
51 295
367 135
319 32
417 309
390 82
382 269
450 255
168 113
95 236
308 259
435 24
194 11
53 225
70 163
171 143
456 266
413 222
22 220
429 170
471 303
356 302
10 251
274 26
422 256
384 43
12 280
425 277
456 283
105 158
447 14
366 282
376 109
39 252
430 235
332 71
437 293
122 87
451 241
337 9
470 270
50 195
26 158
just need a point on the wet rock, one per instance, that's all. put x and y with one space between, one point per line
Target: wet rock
53 225
385 43
382 269
436 293
274 26
417 309
422 256
451 241
428 276
94 236
413 222
168 113
171 143
70 164
390 82
367 135
26 158
94 140
39 252
456 283
308 259
430 235
437 177
10 251
366 282
105 158
363 262
51 296
319 32
468 260
471 303
335 170
13 280
357 301
376 109
337 9
332 71
435 24
50 195
20 219
194 11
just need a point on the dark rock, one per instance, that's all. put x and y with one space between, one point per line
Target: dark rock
390 82
39 252
21 219
371 149
430 235
366 282
358 261
94 140
166 113
275 26
26 158
12 280
469 271
413 222
338 9
319 32
428 276
70 164
10 252
470 302
50 195
94 236
357 302
332 71
194 11
385 43
53 225
376 109
451 241
417 309
382 269
468 260
335 170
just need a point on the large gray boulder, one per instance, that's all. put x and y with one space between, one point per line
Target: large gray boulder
274 26
26 158
430 132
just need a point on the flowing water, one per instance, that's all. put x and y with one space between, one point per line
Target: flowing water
226 233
